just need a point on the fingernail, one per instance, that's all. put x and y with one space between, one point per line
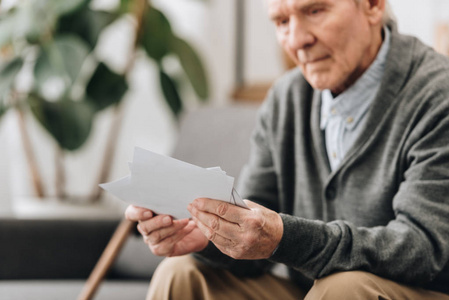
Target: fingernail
192 209
147 214
140 228
166 220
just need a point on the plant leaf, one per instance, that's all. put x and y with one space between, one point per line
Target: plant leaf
7 26
3 109
125 6
62 58
105 88
192 65
157 34
170 92
66 7
35 20
86 23
8 73
67 121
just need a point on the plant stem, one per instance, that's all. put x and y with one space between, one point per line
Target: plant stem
32 165
59 173
140 7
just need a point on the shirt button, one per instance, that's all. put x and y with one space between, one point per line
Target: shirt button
333 111
334 155
349 120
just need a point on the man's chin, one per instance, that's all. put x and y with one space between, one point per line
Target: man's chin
322 81
319 83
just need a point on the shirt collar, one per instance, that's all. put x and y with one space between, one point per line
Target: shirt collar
352 104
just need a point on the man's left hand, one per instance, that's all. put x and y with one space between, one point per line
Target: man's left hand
238 232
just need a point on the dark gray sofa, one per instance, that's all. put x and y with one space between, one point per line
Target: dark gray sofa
51 259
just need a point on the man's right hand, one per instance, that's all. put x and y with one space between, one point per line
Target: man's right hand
165 236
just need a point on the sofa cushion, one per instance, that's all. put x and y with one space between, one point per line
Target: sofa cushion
51 249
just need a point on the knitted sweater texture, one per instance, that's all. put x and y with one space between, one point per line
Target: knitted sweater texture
385 209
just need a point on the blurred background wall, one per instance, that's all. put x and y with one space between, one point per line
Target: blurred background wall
210 27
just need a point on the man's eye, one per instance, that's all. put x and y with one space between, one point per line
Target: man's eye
315 11
282 22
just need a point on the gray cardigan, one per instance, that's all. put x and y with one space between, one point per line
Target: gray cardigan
385 210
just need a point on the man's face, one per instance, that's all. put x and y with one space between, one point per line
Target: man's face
332 41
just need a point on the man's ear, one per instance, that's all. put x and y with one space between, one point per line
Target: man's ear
374 10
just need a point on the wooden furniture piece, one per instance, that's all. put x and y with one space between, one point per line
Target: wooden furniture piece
107 259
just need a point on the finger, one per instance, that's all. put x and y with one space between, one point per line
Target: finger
155 223
214 237
168 245
135 213
157 236
223 209
175 238
216 224
141 231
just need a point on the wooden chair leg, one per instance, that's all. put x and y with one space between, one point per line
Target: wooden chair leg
107 259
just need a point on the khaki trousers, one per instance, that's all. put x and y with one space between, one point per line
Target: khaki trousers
184 278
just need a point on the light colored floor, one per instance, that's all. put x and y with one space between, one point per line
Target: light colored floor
69 289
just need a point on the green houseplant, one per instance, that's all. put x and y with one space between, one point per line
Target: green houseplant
54 42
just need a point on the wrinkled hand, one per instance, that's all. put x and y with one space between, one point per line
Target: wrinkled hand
239 233
165 236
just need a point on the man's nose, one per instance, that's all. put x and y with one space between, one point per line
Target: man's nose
300 36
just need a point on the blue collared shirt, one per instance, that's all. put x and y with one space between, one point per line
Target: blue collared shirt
343 117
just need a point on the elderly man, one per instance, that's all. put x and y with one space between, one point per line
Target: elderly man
349 169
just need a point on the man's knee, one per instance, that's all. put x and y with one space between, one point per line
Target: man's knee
345 285
181 267
177 278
